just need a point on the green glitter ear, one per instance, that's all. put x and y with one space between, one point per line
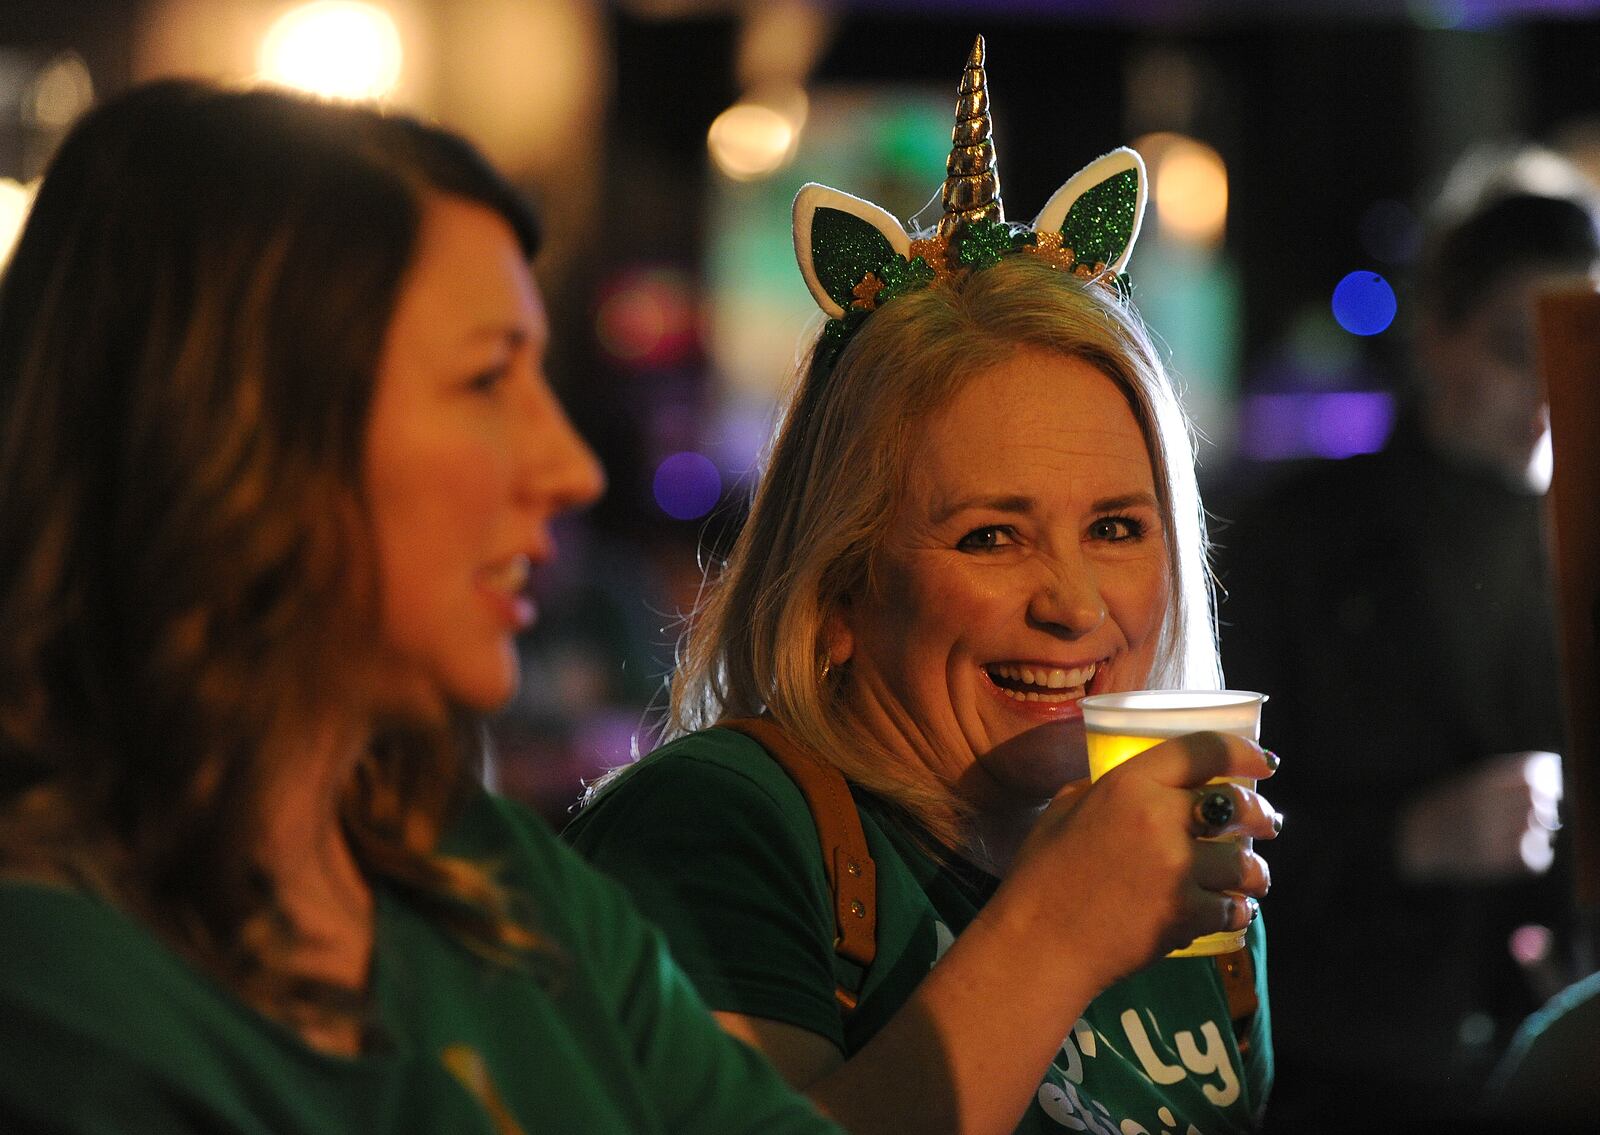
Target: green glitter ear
1099 210
838 239
1100 223
844 248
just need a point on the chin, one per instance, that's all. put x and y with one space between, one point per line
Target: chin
1039 762
482 692
484 696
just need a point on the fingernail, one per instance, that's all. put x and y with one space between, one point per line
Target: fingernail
1277 822
1271 759
1253 907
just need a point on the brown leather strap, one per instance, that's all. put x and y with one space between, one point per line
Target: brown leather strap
1238 972
853 875
851 872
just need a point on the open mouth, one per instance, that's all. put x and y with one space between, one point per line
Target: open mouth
510 577
1035 683
508 586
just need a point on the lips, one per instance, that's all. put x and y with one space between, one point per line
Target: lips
510 576
505 584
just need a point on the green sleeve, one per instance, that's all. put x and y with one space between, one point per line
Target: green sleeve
700 1079
718 848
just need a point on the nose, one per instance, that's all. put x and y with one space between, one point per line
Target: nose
559 470
1067 602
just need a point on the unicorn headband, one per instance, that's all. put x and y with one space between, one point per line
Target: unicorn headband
855 256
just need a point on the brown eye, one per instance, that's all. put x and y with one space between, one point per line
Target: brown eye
487 382
1116 529
987 538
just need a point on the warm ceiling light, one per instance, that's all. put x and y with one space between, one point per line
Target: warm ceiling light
1189 184
750 140
14 202
63 91
339 49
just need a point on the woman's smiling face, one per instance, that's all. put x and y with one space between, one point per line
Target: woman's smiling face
1026 565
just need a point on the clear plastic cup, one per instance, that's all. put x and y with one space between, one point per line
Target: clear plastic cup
1117 726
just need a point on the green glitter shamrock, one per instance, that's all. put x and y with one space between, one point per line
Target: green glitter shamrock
900 276
981 244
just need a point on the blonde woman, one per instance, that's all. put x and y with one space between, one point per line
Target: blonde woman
980 507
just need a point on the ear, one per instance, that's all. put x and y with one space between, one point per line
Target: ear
1099 210
838 239
837 638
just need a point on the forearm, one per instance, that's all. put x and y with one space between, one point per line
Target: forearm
968 1050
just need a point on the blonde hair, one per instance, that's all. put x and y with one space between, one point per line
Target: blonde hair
836 471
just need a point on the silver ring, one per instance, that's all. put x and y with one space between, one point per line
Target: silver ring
1213 810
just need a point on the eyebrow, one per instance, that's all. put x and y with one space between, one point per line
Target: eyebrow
510 334
1027 504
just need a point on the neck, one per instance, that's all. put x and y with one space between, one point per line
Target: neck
319 884
996 836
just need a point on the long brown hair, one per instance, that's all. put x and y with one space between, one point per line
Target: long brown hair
837 471
189 333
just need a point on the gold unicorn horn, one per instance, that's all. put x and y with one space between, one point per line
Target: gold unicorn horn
972 181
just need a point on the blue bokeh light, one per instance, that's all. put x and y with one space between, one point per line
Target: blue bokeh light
1364 303
687 486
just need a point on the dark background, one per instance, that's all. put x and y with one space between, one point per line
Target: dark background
1319 109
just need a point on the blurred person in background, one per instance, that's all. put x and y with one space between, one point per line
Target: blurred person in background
1399 607
278 456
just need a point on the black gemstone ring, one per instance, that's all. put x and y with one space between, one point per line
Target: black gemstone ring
1214 810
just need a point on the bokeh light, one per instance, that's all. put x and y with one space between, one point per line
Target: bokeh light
1531 944
687 486
1364 303
63 91
1189 186
341 49
757 136
1336 424
647 317
14 201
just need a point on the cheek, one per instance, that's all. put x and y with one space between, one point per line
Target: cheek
916 618
1138 601
433 511
944 609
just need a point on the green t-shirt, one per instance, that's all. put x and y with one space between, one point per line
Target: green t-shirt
720 850
104 1029
1547 1080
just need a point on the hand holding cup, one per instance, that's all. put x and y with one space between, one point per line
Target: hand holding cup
1116 874
1119 726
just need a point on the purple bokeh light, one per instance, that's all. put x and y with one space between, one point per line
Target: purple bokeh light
1281 427
687 486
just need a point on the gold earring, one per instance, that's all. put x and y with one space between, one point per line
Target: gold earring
827 668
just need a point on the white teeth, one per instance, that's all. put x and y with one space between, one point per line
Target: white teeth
1052 679
511 576
1017 695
